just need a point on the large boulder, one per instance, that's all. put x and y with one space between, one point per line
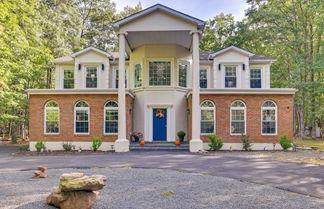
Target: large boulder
72 200
79 182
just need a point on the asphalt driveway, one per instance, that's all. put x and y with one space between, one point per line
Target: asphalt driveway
300 178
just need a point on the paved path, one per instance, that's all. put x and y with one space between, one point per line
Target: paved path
300 178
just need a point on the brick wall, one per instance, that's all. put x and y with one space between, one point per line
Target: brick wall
66 105
253 107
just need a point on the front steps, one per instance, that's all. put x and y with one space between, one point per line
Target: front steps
159 146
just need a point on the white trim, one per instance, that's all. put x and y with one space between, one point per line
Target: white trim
200 23
89 119
245 121
276 115
150 108
74 91
255 146
45 113
275 91
104 120
231 48
91 49
214 116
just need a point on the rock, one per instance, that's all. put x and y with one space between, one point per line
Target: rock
80 182
41 168
72 200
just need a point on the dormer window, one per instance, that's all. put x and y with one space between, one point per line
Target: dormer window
91 77
68 82
255 78
203 78
230 77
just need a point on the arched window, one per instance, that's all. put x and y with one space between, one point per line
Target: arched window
52 115
207 122
81 117
111 117
269 118
238 118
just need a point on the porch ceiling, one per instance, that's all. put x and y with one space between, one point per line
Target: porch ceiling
136 39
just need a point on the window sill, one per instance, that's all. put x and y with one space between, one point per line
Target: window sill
81 134
269 134
51 134
110 134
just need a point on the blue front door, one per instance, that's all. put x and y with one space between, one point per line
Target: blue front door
160 124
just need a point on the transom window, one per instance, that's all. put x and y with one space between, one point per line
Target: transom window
138 75
230 76
91 77
160 73
238 120
68 82
81 116
269 118
183 68
207 122
203 78
111 117
51 117
255 78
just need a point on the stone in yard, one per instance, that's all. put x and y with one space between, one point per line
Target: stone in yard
80 182
39 174
72 200
41 168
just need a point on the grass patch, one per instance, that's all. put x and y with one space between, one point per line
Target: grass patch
310 143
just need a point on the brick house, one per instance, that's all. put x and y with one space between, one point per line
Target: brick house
160 83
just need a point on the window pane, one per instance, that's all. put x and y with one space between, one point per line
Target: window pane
82 104
52 114
81 115
52 104
255 73
237 127
117 79
82 127
203 78
269 127
238 115
138 75
230 76
91 77
269 115
207 114
183 75
207 127
111 127
160 73
52 126
112 115
68 79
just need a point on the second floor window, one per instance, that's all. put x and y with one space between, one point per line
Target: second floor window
203 78
138 76
255 78
91 77
183 75
230 77
68 82
160 73
117 79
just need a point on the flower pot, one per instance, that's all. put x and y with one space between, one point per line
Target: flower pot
181 139
136 139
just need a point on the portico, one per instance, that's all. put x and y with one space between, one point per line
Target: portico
156 26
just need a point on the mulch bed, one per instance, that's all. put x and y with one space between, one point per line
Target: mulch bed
61 153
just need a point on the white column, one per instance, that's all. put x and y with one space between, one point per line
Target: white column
195 143
122 143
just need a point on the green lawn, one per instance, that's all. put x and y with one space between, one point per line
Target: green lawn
310 143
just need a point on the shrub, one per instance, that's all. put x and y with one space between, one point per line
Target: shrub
96 143
67 146
285 142
40 145
215 143
181 135
246 143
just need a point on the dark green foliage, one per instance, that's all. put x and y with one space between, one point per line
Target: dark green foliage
40 145
181 135
67 146
96 143
285 142
215 143
246 145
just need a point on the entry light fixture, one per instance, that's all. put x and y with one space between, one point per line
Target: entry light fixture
102 67
219 66
243 66
79 67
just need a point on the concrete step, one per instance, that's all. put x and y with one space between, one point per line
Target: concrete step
159 146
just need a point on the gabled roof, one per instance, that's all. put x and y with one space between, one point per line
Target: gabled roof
91 49
157 7
65 59
231 48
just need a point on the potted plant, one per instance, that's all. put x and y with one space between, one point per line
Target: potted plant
181 135
137 136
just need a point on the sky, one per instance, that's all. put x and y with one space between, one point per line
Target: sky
202 9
